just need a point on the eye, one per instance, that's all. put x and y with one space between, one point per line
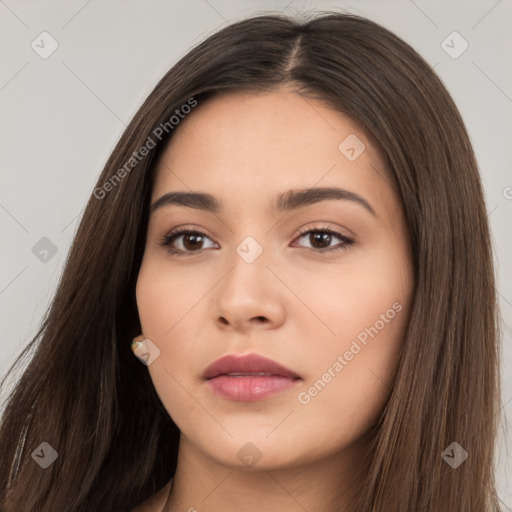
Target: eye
190 241
320 239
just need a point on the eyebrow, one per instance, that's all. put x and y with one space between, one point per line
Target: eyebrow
291 200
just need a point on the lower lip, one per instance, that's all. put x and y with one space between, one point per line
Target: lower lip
250 388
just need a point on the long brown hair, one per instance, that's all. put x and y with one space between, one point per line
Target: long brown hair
86 395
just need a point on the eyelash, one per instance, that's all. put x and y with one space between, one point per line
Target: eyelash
173 235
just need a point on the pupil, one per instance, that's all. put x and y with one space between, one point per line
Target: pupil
320 237
196 241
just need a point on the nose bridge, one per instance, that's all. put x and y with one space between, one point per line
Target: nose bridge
250 233
247 291
248 264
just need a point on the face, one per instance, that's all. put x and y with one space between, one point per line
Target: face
319 283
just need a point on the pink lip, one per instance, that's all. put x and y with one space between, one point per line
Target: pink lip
254 377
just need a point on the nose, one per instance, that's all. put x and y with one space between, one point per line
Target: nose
249 297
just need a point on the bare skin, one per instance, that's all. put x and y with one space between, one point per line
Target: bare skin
305 309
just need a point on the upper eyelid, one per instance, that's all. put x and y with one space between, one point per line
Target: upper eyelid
185 229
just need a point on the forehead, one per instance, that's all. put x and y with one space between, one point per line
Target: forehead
251 147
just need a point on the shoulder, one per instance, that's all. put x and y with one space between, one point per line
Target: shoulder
156 502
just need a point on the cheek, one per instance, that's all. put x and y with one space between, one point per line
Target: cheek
348 387
170 303
365 306
348 298
165 298
165 302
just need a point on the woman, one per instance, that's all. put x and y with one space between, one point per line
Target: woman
292 231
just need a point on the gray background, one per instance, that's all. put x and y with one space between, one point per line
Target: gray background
61 117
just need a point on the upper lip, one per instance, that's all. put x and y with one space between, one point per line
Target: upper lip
247 364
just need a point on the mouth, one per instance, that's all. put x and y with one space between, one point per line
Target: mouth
249 377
